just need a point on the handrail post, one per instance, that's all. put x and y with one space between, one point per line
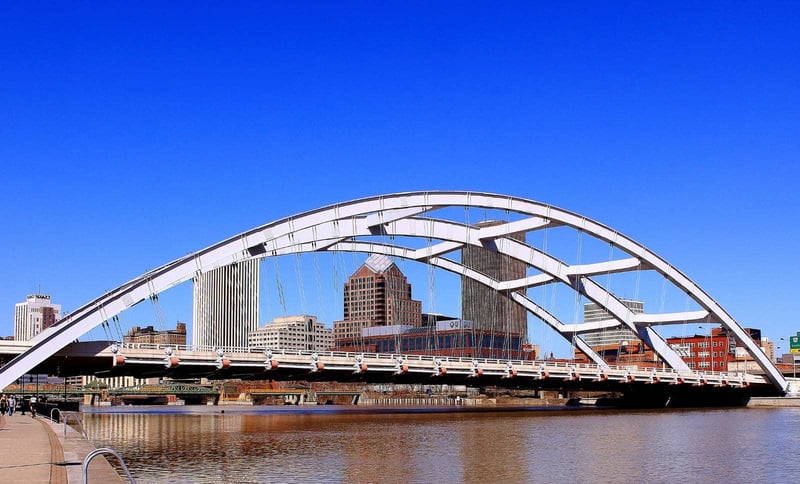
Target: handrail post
77 420
104 450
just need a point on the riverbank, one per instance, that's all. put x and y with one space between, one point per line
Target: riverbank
36 450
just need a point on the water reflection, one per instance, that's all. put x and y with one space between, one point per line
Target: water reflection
742 445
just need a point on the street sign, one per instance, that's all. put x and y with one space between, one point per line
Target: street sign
794 343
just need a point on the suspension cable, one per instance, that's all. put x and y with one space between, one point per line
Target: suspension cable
318 279
433 340
106 330
298 270
154 299
118 328
279 286
465 296
577 298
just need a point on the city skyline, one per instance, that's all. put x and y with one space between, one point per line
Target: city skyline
378 263
141 154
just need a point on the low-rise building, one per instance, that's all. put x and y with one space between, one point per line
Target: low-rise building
452 338
301 332
717 351
147 334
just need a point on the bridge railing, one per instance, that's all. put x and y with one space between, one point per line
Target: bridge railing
385 359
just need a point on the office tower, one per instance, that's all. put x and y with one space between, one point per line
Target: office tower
486 308
377 294
225 306
34 315
610 338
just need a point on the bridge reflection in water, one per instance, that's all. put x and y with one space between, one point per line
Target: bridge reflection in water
543 446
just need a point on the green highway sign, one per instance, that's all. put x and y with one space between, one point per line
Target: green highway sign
794 343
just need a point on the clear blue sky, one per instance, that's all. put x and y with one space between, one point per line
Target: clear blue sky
134 133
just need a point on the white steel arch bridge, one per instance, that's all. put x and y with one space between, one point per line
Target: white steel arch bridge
380 224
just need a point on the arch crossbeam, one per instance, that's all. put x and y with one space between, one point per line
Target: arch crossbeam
552 267
643 319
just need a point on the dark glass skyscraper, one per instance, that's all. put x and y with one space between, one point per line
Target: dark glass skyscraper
487 309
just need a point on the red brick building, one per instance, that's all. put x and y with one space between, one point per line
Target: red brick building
701 352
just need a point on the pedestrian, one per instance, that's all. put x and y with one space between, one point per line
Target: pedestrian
12 405
3 405
33 407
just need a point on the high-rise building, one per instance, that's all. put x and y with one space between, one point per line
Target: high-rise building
485 307
610 338
34 315
377 294
147 334
302 332
225 306
769 348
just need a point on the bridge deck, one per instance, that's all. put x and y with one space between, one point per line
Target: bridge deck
145 360
347 366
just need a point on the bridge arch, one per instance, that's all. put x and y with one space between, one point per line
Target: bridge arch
344 226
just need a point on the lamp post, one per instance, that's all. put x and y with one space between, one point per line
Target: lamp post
58 372
777 350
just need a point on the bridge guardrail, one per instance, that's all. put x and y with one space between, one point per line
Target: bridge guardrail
344 360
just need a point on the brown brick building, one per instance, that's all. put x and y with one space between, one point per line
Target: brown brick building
377 294
175 336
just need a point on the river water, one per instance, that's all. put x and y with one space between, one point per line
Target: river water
194 444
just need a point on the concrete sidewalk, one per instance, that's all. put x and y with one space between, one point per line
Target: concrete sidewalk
36 451
25 451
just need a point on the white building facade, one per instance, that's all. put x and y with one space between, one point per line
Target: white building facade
225 305
34 315
593 312
302 332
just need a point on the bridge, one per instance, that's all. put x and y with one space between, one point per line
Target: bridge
424 227
641 386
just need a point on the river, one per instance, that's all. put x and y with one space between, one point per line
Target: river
192 444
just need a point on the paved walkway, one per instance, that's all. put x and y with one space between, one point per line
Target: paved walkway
36 451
